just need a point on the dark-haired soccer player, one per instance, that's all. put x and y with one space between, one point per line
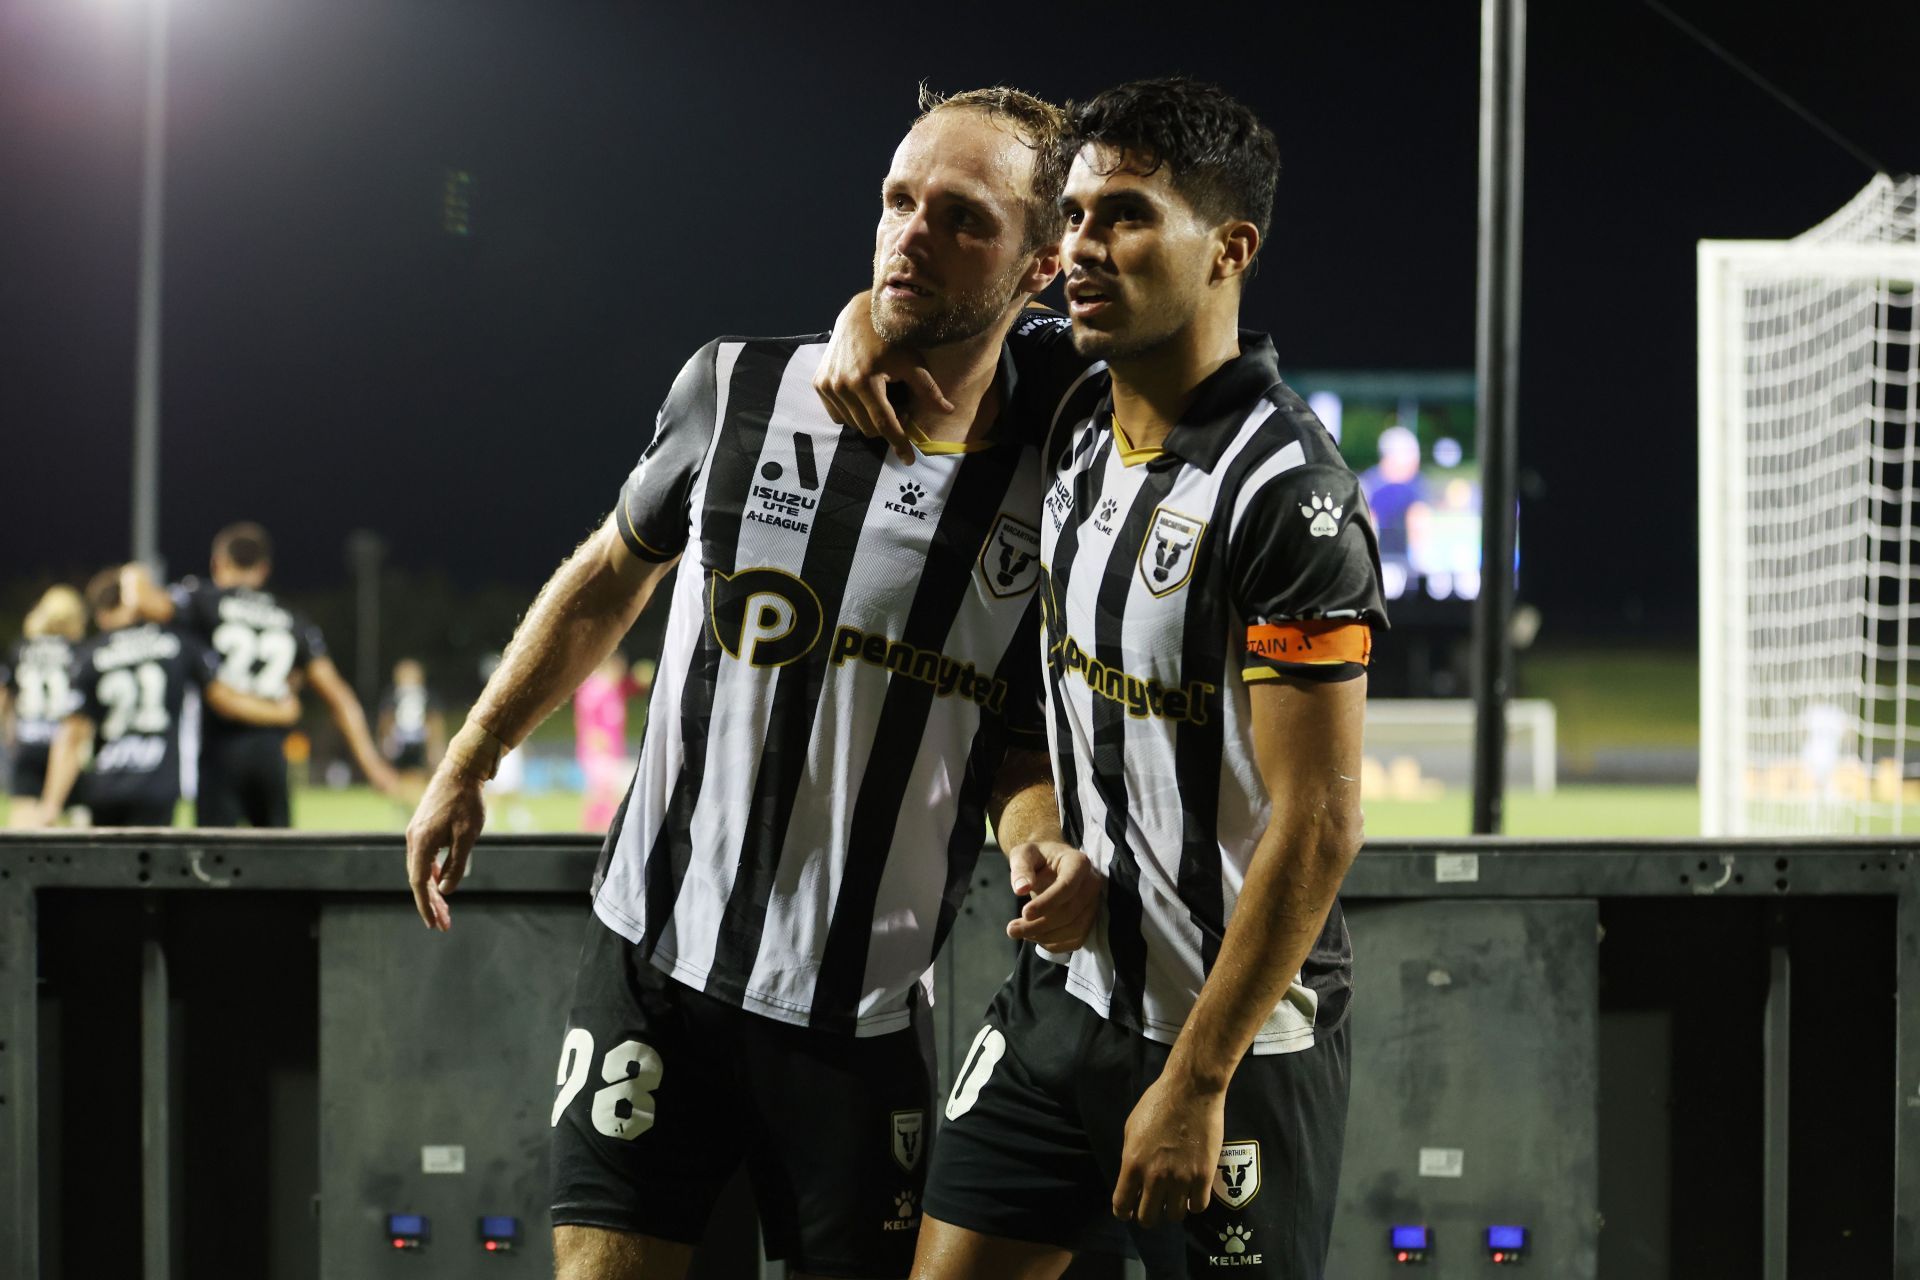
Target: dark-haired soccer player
33 692
262 645
1210 585
128 685
849 643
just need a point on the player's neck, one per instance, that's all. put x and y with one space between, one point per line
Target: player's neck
966 372
1152 390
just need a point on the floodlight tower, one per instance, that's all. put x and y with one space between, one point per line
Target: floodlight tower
146 369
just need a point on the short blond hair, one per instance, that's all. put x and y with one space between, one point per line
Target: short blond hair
1040 126
60 612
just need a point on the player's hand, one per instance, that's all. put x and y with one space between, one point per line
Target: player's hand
287 710
1065 895
1172 1146
854 374
448 820
28 815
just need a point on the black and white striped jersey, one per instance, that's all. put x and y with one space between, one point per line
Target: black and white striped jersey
36 679
261 644
851 646
1171 579
133 683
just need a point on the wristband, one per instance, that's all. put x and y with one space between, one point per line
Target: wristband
476 751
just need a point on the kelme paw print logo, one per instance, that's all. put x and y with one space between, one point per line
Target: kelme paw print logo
1107 508
903 1205
1325 515
1236 1238
911 493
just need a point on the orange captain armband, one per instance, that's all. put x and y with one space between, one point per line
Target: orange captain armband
1332 649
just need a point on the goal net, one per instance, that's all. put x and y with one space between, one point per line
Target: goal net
1810 524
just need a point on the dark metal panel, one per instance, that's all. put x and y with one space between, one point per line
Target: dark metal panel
974 965
1774 1141
1475 1086
19 1059
156 1097
1906 1158
439 1040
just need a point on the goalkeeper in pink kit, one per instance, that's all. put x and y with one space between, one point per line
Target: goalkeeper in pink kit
600 734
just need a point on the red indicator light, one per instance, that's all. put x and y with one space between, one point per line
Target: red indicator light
399 1244
1499 1257
1398 1257
492 1245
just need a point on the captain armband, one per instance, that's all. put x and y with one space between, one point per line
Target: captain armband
1325 649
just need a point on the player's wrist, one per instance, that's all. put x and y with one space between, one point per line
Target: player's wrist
475 751
1193 1076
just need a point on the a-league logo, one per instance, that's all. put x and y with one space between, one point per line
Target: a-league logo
1236 1177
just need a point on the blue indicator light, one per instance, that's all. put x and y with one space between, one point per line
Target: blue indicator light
406 1224
1412 1238
1506 1237
500 1228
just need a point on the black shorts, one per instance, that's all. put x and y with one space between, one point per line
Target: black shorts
665 1090
412 755
243 778
1035 1128
155 812
29 770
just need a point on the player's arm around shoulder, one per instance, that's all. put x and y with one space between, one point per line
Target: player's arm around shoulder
574 623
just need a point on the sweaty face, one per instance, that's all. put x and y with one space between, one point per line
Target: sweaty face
949 254
1137 257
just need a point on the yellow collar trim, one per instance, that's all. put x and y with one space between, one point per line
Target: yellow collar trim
932 447
1130 454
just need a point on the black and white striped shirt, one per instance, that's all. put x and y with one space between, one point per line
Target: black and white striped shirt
851 646
1173 578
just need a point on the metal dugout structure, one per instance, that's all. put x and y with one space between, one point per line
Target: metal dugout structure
239 1053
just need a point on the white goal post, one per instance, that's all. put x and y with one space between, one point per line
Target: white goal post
1809 539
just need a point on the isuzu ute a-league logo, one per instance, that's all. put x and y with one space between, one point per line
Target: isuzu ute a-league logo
1236 1178
909 1138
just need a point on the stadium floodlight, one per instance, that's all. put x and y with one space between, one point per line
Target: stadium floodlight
1809 386
146 377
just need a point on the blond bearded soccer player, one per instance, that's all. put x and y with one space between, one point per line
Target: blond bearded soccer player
851 653
1178 1085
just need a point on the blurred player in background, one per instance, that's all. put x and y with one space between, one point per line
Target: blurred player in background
412 730
34 692
128 686
262 646
600 734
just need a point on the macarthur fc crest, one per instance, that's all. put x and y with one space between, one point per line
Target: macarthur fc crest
909 1138
1236 1178
1167 554
1010 560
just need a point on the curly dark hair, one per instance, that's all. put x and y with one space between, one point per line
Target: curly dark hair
1040 126
1219 155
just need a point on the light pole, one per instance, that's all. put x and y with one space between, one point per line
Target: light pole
146 372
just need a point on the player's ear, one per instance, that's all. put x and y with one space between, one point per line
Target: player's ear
1238 242
1044 266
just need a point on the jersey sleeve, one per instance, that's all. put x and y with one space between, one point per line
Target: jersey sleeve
1054 385
193 605
308 642
654 514
201 660
1026 705
83 689
1304 567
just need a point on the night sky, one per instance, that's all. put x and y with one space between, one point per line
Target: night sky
646 176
